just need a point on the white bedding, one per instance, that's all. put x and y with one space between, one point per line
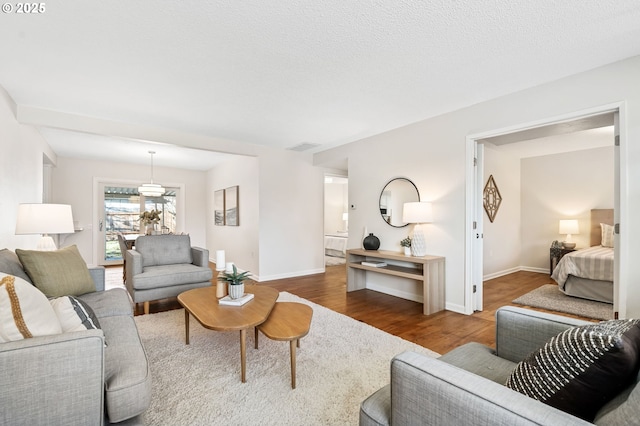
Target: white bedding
335 245
594 263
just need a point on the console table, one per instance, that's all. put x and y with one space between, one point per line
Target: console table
427 269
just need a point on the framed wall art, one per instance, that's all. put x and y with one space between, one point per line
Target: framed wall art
218 207
231 215
491 198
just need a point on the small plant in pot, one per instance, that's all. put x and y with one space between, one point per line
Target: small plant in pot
235 280
406 243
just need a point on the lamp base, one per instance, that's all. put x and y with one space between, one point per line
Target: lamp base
568 245
418 242
46 244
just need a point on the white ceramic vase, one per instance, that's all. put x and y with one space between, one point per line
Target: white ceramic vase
236 291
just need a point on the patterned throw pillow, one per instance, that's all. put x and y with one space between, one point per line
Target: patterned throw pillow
607 235
24 311
74 314
582 368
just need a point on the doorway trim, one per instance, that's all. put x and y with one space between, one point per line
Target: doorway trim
620 212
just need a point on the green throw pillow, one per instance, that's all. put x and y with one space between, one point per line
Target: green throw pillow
57 273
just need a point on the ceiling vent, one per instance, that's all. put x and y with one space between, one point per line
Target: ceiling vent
304 146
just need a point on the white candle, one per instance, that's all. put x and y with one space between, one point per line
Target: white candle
219 260
229 267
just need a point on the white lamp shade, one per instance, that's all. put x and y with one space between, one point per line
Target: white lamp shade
417 212
569 226
44 219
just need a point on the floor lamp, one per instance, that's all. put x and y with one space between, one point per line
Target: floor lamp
44 219
418 213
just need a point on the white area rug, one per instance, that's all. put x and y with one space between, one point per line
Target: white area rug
339 363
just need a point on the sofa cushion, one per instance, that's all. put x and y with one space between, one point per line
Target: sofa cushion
126 370
10 264
24 311
582 368
481 360
57 273
164 249
170 275
74 314
109 303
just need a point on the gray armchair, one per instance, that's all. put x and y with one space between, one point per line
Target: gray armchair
163 266
466 385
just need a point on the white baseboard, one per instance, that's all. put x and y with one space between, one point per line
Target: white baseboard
287 275
512 270
454 307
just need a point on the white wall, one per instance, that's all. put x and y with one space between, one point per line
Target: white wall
240 243
502 243
73 183
432 153
21 173
562 186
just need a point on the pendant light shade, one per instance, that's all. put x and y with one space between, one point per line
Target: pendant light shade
151 189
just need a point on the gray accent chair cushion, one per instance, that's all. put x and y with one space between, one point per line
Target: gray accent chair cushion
466 385
163 266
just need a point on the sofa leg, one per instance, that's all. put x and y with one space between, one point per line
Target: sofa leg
146 308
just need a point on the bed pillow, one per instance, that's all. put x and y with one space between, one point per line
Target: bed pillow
58 273
582 368
607 235
74 314
25 311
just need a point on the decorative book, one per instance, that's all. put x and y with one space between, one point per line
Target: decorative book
374 264
236 302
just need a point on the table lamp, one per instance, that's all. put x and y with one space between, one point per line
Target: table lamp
569 227
418 213
221 288
44 219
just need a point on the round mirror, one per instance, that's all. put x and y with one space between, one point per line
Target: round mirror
395 193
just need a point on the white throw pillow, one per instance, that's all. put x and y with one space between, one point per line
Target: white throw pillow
74 314
607 235
24 311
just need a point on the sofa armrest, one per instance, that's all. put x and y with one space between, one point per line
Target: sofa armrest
427 391
521 331
133 261
200 256
97 273
55 379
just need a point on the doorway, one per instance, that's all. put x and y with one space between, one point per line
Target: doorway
475 248
120 209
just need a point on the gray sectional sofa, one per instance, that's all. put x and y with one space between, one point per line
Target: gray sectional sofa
89 377
466 385
163 266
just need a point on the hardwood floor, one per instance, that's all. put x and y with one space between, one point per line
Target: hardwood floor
439 332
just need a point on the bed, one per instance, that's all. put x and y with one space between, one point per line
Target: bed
588 273
335 247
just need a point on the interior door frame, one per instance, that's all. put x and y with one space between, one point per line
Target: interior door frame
621 263
98 210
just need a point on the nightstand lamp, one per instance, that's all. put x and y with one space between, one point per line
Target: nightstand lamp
44 219
418 213
569 227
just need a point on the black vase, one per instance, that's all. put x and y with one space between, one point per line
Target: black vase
371 242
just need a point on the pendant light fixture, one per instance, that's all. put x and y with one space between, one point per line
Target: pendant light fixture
151 189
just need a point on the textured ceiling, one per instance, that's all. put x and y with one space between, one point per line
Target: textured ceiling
284 72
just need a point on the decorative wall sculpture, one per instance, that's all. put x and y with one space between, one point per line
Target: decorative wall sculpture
491 198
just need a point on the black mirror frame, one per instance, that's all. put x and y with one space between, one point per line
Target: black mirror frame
382 192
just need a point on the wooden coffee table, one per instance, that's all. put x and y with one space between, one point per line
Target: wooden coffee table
288 321
203 305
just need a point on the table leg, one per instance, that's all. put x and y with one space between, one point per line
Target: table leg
186 326
256 337
243 354
292 349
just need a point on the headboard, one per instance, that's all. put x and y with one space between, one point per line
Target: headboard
599 216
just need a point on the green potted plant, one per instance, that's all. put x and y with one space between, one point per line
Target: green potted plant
235 280
406 243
